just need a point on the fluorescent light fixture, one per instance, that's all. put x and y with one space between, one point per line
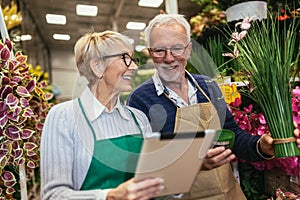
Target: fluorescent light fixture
131 40
17 38
56 19
26 37
135 25
150 3
140 48
61 37
86 10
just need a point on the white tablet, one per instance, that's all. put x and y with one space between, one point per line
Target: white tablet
177 158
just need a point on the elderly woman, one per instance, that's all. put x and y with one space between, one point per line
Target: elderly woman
90 144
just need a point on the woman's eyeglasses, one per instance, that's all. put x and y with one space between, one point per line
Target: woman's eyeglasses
161 51
126 58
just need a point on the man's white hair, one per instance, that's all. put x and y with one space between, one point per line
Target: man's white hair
166 20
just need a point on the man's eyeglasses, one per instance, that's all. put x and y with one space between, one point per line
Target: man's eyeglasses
126 58
161 51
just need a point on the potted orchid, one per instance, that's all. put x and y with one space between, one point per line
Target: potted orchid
24 103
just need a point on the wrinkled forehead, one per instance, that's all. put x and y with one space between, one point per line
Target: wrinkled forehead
166 35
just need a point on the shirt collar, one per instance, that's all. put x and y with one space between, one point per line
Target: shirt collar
93 108
159 86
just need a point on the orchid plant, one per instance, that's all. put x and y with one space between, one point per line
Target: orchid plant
24 103
265 53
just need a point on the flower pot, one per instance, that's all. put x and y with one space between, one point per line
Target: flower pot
224 138
247 9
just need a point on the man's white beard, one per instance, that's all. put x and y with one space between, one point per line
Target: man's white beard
171 76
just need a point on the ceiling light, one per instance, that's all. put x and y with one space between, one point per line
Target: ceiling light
17 38
56 19
135 25
150 3
61 37
26 37
131 40
86 10
140 48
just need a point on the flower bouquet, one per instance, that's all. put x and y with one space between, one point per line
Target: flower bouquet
256 177
265 52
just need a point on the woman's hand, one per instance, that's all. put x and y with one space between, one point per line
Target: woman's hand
216 157
136 190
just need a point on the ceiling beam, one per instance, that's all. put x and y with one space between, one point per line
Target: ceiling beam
171 6
118 6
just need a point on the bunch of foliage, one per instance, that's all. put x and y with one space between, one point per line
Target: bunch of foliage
23 109
265 52
210 15
250 118
254 123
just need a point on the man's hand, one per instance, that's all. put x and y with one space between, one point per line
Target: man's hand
216 157
267 146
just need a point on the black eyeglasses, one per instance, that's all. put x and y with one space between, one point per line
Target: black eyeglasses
126 58
160 52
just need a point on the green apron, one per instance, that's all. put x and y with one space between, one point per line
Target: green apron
114 160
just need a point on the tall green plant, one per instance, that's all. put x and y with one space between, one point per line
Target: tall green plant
215 49
266 55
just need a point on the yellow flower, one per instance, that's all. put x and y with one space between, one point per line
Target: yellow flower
230 93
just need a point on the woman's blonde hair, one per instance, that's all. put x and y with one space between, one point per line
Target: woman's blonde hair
96 45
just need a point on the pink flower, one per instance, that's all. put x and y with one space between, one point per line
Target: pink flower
235 53
248 109
237 102
236 37
261 130
261 118
245 24
259 165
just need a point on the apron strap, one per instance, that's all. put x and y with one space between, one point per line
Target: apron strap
86 119
167 94
136 122
198 86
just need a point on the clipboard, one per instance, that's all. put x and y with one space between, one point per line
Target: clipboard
177 158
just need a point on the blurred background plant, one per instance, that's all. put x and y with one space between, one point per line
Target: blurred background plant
13 19
12 16
209 15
